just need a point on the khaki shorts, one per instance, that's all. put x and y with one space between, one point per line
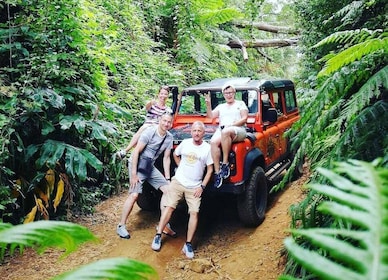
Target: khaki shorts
240 132
176 191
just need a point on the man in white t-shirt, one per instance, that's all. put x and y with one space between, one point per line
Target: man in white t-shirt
192 157
232 117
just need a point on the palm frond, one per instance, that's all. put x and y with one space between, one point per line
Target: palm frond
350 37
350 12
359 197
354 53
365 135
113 269
42 235
368 91
219 16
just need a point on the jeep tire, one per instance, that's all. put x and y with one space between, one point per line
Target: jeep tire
149 199
252 203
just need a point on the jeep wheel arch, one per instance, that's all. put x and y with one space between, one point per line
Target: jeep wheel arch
149 199
252 203
254 158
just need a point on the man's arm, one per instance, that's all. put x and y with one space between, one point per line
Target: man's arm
243 120
166 163
209 113
209 172
177 159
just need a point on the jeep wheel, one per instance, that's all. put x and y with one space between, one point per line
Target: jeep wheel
252 203
149 200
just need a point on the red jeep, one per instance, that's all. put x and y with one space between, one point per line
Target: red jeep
261 157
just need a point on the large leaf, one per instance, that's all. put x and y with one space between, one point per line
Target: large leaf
113 269
359 199
68 236
42 235
76 159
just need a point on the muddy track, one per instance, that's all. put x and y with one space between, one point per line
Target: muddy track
224 248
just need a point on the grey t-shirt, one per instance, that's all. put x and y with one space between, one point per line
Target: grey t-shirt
152 139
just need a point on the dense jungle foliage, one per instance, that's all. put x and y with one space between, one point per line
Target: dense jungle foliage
74 79
74 76
344 79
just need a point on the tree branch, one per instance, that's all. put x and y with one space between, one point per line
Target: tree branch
263 43
267 27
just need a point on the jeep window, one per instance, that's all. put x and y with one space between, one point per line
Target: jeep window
192 103
277 100
252 101
290 100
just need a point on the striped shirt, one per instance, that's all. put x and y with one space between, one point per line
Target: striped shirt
154 113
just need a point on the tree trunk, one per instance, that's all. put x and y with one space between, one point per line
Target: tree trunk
263 43
267 27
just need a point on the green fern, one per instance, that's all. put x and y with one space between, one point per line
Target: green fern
354 53
359 198
112 269
350 37
68 236
43 234
368 91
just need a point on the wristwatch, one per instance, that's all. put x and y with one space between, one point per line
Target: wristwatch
203 187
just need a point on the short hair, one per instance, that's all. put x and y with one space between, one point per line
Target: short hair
201 124
225 87
168 112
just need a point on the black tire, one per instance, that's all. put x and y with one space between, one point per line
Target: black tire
252 204
149 200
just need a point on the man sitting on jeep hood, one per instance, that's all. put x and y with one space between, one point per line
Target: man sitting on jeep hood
232 117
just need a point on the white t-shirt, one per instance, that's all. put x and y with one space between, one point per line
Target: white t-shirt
194 159
228 114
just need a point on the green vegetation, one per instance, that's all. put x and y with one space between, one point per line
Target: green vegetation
355 246
74 76
68 237
74 79
343 92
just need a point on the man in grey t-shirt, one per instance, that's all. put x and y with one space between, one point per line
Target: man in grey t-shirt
153 141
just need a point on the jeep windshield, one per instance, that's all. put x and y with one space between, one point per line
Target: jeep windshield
193 103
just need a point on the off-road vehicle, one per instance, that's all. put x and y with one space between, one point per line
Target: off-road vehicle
254 162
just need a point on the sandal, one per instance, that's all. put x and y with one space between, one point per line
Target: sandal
168 231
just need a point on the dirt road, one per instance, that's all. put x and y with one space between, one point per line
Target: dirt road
224 249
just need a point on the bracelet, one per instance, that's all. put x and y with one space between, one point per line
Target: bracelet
169 179
203 187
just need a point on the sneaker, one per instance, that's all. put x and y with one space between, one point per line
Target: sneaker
157 242
218 180
188 250
122 232
225 170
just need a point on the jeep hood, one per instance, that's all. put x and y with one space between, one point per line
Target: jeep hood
183 132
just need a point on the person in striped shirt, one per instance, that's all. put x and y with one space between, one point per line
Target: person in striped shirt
155 109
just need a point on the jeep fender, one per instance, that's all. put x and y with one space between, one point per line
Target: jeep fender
253 159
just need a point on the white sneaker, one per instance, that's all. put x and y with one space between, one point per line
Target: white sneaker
157 242
188 250
122 232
